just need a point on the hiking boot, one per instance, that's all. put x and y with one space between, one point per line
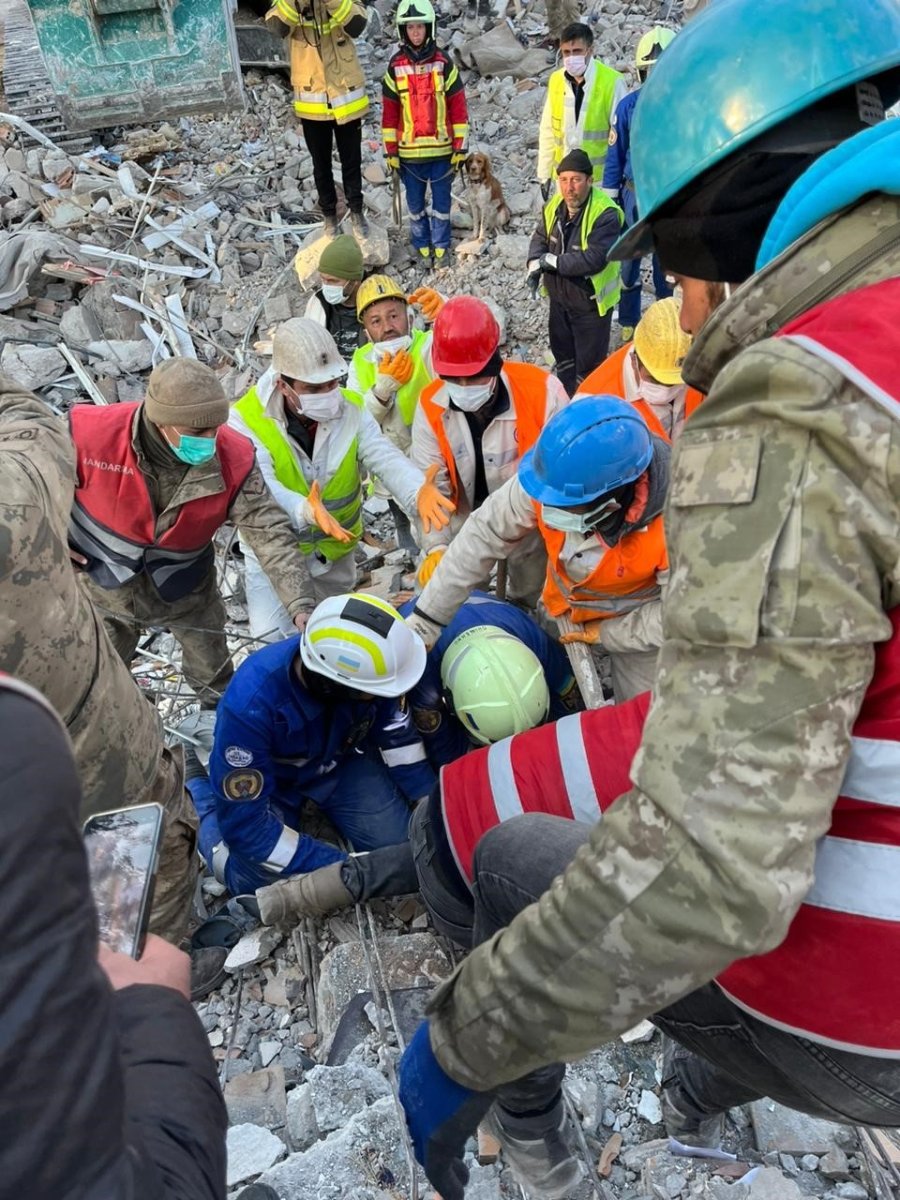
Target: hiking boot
440 257
536 1150
359 225
331 226
680 1117
207 970
312 895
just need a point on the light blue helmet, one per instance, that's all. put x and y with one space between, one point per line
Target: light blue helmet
593 446
740 69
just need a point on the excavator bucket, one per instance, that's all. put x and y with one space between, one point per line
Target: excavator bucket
127 62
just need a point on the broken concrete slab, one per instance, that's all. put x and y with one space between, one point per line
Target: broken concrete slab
368 1152
257 1098
251 1149
783 1129
329 1097
32 366
835 1165
499 52
122 357
768 1183
415 960
253 948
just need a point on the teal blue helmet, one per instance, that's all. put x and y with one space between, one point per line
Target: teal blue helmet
742 69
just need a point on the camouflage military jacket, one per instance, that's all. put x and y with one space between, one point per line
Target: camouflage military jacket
783 523
50 635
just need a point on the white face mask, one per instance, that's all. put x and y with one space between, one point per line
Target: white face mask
660 394
333 293
569 521
469 398
320 406
575 64
392 345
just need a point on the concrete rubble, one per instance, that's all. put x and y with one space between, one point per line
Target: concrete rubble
182 239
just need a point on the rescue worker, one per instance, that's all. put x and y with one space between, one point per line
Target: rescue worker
333 304
582 96
329 95
493 673
618 181
313 437
54 640
593 489
647 371
320 718
424 126
568 251
390 370
759 842
474 423
156 481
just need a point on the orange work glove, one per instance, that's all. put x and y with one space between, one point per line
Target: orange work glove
393 371
434 507
430 301
589 634
429 565
316 512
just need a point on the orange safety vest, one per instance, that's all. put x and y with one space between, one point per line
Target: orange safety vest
609 380
528 396
625 578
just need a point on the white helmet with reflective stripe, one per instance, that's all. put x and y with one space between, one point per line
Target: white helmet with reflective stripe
495 684
305 350
363 643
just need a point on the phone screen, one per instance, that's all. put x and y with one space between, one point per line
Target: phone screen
122 853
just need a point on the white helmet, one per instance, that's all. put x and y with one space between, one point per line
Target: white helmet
495 684
363 642
305 350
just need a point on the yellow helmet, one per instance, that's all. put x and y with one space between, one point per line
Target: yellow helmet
651 46
660 342
495 684
377 287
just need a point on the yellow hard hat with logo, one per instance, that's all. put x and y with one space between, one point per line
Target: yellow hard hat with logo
494 683
660 342
377 287
651 46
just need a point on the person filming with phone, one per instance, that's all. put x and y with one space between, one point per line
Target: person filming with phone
108 1088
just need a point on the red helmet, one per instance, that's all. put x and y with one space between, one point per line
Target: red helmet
466 335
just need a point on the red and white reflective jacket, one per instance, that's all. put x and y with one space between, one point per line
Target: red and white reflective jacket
835 978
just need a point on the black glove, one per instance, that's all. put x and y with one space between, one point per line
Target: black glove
548 263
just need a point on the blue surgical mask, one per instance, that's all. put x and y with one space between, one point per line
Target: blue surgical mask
195 451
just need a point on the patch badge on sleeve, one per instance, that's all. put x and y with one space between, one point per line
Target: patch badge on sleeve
237 756
242 785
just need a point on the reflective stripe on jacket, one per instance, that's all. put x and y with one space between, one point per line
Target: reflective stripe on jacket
603 88
113 522
328 81
607 284
424 111
341 494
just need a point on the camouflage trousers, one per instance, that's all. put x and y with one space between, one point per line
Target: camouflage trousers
197 622
176 875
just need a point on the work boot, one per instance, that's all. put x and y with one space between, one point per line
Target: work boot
257 1191
626 332
680 1116
536 1150
312 895
331 225
359 225
207 970
440 257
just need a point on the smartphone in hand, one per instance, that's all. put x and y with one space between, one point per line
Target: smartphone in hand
123 852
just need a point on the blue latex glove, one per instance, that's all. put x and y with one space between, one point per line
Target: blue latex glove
441 1115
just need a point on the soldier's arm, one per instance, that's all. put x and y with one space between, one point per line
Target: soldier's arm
782 536
28 426
487 536
270 535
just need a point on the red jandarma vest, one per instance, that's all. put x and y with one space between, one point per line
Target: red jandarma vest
835 979
113 521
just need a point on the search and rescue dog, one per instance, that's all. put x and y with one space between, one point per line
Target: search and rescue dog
485 195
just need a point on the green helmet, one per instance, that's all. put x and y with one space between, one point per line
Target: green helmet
494 683
415 12
651 46
741 69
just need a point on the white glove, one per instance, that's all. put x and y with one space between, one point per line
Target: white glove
385 387
429 631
